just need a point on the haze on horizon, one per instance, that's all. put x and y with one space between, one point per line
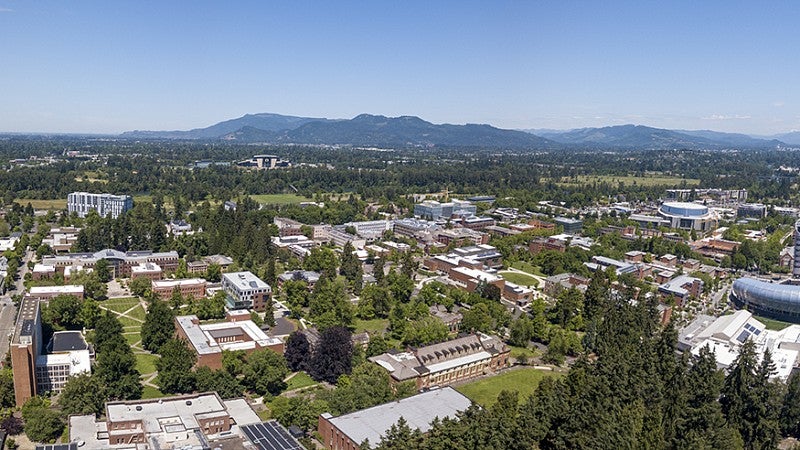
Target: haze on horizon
96 67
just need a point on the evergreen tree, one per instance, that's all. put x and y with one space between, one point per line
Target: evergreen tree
790 411
158 326
175 374
83 394
377 271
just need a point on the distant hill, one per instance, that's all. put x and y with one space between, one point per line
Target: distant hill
362 130
638 136
263 121
791 138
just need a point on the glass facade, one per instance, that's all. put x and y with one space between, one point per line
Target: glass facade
780 301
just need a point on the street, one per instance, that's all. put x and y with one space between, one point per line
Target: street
8 311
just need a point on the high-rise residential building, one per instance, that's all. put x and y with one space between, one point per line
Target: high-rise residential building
105 204
433 210
796 268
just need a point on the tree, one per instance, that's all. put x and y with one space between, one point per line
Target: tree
221 381
210 307
790 411
11 425
568 309
350 266
90 313
299 410
478 319
214 273
298 352
42 424
378 271
116 369
140 286
83 394
424 331
158 326
333 355
323 260
102 270
107 330
175 367
63 312
522 331
400 437
265 372
181 271
7 388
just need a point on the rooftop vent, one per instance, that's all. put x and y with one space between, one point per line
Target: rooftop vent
188 403
138 407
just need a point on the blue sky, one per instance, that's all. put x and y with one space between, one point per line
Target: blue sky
99 66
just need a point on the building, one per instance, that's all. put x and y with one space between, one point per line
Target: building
620 267
288 227
48 292
434 210
340 238
224 262
150 271
372 229
61 239
195 421
67 355
681 288
461 236
553 285
451 319
120 263
414 228
778 301
188 287
40 271
751 210
246 291
348 431
209 340
310 277
179 227
796 266
689 216
83 202
570 226
725 335
264 162
35 371
448 362
477 223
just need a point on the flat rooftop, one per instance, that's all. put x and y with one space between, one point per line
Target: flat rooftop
418 410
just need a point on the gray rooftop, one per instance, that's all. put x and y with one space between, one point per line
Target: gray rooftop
419 411
67 341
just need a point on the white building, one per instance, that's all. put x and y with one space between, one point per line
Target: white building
67 355
105 204
245 291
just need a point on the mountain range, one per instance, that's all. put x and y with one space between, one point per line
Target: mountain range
410 131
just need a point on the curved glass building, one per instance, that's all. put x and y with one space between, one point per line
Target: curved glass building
779 301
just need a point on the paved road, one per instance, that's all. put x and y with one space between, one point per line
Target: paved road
8 312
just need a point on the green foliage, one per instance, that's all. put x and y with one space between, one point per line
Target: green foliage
265 372
332 356
158 327
83 394
140 286
220 381
7 399
210 307
302 411
42 424
63 312
175 367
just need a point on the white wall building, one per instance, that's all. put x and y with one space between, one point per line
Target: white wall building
105 204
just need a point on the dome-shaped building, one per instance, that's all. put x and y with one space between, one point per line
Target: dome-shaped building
689 216
779 301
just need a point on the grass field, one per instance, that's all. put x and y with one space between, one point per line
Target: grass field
120 305
527 267
146 363
279 199
151 392
372 326
520 279
485 391
300 380
772 324
127 322
630 180
132 338
60 203
138 313
517 352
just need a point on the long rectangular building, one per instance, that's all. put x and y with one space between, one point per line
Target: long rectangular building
105 204
120 263
348 431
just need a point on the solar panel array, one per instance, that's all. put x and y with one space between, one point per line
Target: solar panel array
270 436
70 446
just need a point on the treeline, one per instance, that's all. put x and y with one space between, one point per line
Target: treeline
634 391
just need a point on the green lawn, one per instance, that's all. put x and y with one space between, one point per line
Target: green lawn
279 199
300 380
59 203
146 363
372 326
485 391
772 324
132 338
151 392
528 267
629 180
138 313
128 322
520 279
529 353
120 305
